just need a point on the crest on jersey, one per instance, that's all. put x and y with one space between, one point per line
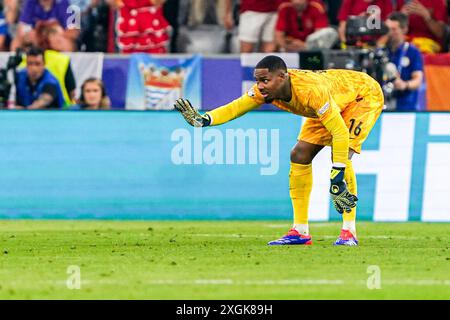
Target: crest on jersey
405 62
251 92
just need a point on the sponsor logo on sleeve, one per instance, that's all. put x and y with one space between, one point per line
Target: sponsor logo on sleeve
324 108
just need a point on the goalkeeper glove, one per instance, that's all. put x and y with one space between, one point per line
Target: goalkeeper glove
342 199
190 114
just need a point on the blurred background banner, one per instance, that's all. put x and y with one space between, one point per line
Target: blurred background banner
207 75
153 85
437 75
84 66
151 165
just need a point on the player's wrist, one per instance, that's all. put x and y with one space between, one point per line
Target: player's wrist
206 120
338 165
337 174
428 18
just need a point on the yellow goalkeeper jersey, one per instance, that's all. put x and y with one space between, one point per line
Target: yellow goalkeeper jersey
332 100
314 94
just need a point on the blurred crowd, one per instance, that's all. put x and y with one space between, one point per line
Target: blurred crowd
209 26
44 29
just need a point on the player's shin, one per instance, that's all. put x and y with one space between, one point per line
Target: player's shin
300 186
349 218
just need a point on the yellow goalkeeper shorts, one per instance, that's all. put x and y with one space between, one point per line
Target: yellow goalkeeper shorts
359 116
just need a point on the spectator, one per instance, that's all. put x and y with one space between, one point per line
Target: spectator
59 66
427 19
36 87
171 10
202 29
396 5
333 7
11 11
142 27
446 40
8 30
360 8
93 96
3 32
299 21
408 61
205 12
94 25
257 20
56 25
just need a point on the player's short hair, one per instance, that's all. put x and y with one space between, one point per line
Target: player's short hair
400 17
35 52
273 63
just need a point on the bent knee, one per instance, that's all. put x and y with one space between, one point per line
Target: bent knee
301 156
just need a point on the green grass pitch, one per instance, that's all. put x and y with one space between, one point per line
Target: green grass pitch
220 260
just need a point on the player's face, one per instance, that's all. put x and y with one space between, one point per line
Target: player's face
270 84
35 67
92 94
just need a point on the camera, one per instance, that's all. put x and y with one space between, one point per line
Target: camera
361 29
376 63
360 32
373 62
5 84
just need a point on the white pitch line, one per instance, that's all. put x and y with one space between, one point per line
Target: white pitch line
227 235
380 237
296 282
260 282
423 282
286 225
197 282
293 282
270 282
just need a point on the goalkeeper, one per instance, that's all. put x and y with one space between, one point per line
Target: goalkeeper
341 107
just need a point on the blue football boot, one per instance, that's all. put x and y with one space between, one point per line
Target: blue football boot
346 238
292 238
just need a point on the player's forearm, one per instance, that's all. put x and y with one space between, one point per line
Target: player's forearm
341 30
416 81
280 39
231 110
38 104
436 27
228 7
42 102
2 42
339 131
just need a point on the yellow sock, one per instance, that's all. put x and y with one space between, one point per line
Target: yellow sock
350 217
300 186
